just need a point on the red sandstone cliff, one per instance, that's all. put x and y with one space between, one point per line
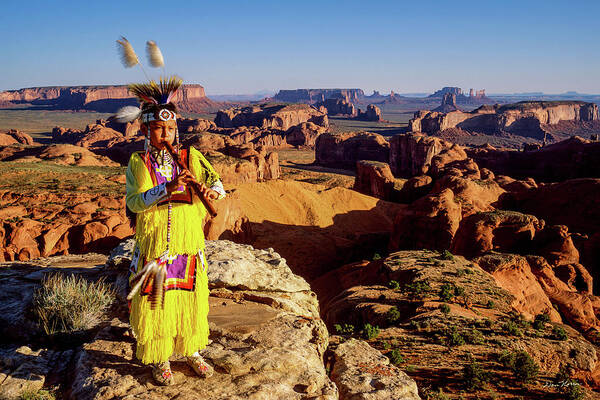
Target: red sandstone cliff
525 118
190 98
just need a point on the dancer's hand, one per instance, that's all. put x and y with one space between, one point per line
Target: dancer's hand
208 192
183 178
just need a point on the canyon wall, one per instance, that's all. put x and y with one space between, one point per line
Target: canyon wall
316 95
190 98
524 118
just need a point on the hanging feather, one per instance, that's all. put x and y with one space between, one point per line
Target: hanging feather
128 114
128 56
155 57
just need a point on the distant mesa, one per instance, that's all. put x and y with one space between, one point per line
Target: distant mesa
311 96
190 98
528 118
474 97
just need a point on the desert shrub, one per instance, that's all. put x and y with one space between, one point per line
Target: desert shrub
573 391
393 315
474 376
540 320
395 357
417 289
37 395
524 368
446 255
445 309
70 303
370 331
376 256
490 304
344 328
410 368
474 336
386 345
393 285
439 395
416 325
559 333
446 292
459 291
454 337
512 329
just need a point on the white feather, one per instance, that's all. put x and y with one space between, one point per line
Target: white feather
155 57
128 114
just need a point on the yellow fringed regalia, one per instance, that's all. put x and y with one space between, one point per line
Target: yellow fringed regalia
181 326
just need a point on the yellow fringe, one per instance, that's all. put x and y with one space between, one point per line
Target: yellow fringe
187 236
180 327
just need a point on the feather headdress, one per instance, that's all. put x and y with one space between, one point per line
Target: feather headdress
156 98
155 57
156 93
128 56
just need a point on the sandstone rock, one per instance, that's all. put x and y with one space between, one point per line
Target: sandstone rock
96 135
67 154
24 370
414 188
372 113
428 223
514 274
304 134
375 179
312 95
267 339
280 116
412 154
361 372
194 124
345 149
524 118
473 195
502 231
7 140
337 106
569 159
579 309
205 141
554 243
20 137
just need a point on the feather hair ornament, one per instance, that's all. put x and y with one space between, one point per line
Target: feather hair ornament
128 56
155 57
128 114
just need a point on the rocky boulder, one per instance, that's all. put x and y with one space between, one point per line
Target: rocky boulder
266 339
280 116
304 134
412 154
430 223
345 149
375 179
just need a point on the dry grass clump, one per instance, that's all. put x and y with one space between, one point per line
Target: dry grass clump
71 303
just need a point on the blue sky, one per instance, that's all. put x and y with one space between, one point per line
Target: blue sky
247 46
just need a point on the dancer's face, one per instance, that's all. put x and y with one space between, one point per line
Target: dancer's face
160 132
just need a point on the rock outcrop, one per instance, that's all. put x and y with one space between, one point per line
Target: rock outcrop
189 98
431 306
345 149
526 118
338 106
412 154
375 179
315 95
372 113
279 116
267 338
571 158
304 135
